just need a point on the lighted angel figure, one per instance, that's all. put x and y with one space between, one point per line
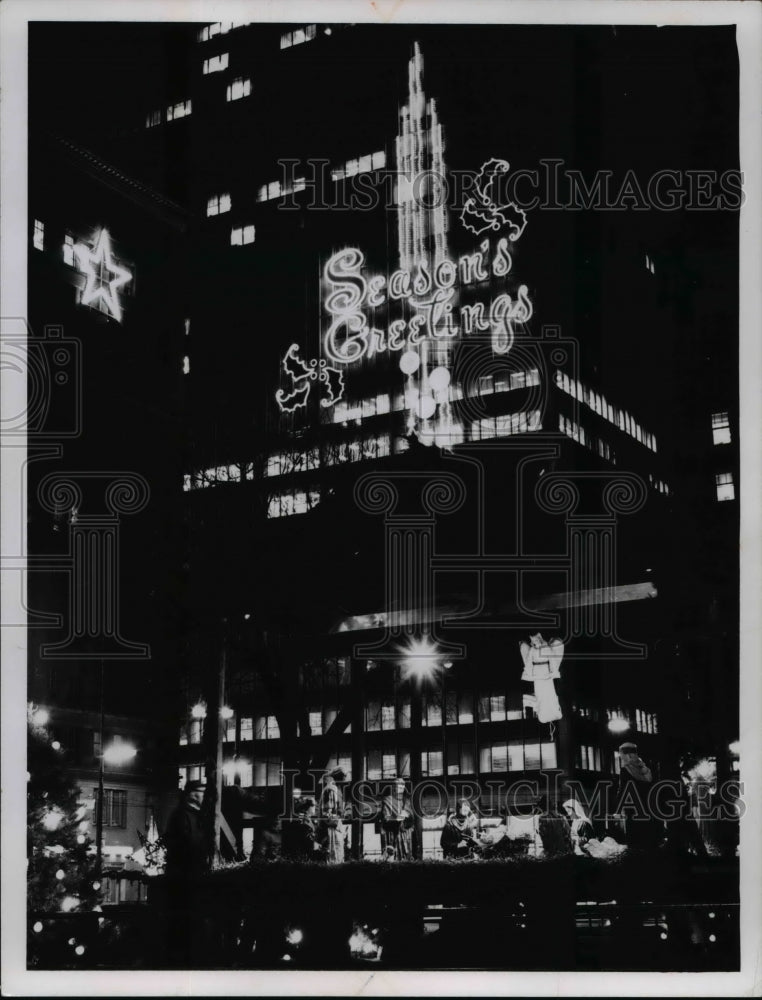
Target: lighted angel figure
542 665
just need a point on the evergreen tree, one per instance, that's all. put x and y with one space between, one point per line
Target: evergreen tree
62 873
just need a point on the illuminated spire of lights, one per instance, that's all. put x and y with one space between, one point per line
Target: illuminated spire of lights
422 242
96 265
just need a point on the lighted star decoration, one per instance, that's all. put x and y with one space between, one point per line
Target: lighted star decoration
104 277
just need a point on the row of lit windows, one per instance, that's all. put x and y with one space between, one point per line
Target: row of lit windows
282 463
577 433
298 36
506 381
338 453
511 423
216 64
219 28
238 88
278 189
382 716
361 165
292 502
174 112
513 755
261 727
658 484
372 406
645 722
363 449
599 405
233 473
588 758
268 192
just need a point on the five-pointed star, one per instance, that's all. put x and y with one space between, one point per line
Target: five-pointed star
95 265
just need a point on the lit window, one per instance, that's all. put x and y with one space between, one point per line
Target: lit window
196 730
154 118
379 160
316 723
388 715
219 204
431 763
720 423
247 729
38 236
388 765
186 365
183 736
181 110
725 488
216 64
241 235
497 708
433 713
238 88
68 250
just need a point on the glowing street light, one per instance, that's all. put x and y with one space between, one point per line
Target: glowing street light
199 710
420 659
618 725
119 753
41 717
226 712
735 748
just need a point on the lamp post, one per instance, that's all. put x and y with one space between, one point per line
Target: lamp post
420 665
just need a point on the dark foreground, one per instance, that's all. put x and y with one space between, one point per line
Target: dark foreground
638 913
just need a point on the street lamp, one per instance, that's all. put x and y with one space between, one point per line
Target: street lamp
40 717
419 659
618 725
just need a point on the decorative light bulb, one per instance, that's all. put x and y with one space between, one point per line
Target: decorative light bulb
439 379
426 407
410 362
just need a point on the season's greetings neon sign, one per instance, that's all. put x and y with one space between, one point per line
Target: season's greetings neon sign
430 292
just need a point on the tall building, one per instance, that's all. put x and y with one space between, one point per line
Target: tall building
408 348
